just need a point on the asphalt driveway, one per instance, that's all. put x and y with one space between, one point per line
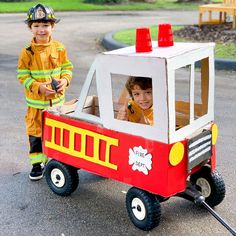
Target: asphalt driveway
97 207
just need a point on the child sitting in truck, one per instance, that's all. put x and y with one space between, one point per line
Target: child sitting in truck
139 108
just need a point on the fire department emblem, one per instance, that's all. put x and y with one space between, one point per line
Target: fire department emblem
140 159
40 13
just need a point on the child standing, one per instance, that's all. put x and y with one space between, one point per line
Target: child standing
45 71
139 108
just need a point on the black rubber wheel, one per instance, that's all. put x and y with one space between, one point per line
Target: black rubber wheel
143 208
62 179
210 185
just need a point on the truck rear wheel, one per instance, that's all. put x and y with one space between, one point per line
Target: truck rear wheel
210 185
62 179
143 208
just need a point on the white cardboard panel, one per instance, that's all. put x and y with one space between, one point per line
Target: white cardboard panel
211 84
149 67
188 130
191 93
83 95
190 57
162 52
160 65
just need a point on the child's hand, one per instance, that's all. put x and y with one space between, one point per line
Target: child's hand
45 90
62 83
123 112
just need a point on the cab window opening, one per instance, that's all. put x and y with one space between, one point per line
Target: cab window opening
135 102
91 105
200 85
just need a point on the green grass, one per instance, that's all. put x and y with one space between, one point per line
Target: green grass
225 50
222 50
79 5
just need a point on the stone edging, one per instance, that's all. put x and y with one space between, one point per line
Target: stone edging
220 63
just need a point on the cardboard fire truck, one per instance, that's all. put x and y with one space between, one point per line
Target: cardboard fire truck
158 161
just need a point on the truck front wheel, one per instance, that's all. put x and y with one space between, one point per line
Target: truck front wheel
143 208
62 179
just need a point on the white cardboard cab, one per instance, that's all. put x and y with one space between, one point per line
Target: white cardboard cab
161 65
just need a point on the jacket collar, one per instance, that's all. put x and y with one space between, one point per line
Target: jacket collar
40 47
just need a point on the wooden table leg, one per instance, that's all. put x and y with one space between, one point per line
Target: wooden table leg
234 19
200 19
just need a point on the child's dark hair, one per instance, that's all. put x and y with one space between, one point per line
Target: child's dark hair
41 21
143 82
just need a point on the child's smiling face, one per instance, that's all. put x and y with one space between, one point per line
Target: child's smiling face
42 31
143 98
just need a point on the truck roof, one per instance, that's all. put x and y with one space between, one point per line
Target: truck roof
161 52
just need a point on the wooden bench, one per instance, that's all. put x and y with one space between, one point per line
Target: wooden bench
224 8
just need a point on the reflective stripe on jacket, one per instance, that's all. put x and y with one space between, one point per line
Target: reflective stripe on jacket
39 63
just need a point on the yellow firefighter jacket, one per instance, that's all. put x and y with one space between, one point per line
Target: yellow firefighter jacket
137 115
40 63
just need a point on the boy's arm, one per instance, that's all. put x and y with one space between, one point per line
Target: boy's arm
23 73
66 67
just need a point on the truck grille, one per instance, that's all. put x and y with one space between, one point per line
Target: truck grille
199 149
